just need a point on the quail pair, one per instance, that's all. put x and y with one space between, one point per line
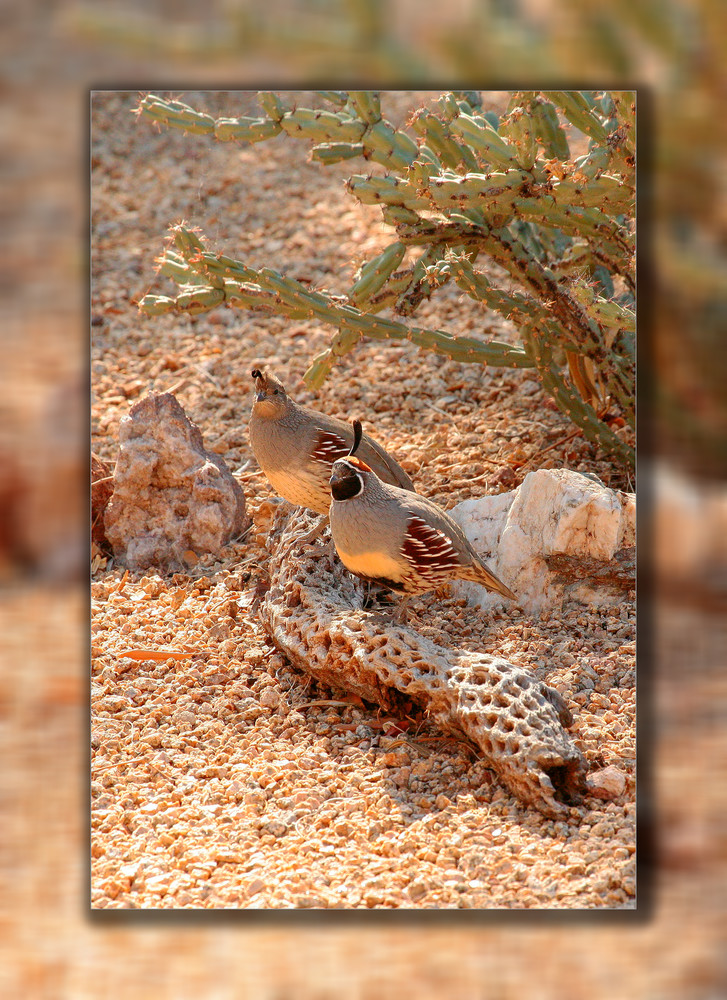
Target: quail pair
383 531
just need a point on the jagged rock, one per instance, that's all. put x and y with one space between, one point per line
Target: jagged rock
560 535
313 611
171 496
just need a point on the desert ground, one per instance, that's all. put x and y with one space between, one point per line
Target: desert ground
221 776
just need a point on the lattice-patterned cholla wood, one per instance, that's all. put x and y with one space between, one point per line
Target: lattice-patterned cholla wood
313 612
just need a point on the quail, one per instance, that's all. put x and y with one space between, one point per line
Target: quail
295 447
396 539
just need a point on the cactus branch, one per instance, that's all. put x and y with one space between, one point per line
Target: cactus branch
459 183
265 288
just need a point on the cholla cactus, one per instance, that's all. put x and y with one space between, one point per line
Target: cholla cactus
460 185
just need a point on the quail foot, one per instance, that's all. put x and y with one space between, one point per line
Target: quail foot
398 539
296 446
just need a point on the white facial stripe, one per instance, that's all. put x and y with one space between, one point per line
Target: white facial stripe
352 470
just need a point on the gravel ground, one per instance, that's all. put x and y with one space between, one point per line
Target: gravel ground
222 777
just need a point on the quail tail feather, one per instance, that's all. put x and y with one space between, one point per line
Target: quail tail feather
482 575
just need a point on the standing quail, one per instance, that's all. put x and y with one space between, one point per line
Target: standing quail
295 447
396 539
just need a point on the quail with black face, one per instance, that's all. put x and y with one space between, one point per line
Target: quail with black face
398 539
296 446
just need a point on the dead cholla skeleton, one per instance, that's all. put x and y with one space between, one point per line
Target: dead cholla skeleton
313 611
460 184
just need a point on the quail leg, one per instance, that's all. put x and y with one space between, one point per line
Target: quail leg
375 594
402 615
368 595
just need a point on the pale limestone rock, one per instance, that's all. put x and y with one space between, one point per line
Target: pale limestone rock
171 496
560 535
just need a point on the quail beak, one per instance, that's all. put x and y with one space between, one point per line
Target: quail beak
260 384
337 476
261 396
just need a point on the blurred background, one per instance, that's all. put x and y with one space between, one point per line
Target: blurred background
674 52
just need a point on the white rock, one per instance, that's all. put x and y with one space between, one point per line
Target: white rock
566 512
554 512
483 520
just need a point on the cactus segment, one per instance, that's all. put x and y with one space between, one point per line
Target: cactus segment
176 114
246 295
492 193
367 104
472 99
485 140
441 143
333 152
396 215
548 130
594 162
420 172
338 98
195 300
394 149
519 128
376 273
608 194
173 266
624 102
245 129
450 106
212 263
272 105
322 126
609 315
385 190
293 294
157 305
579 112
429 157
186 240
